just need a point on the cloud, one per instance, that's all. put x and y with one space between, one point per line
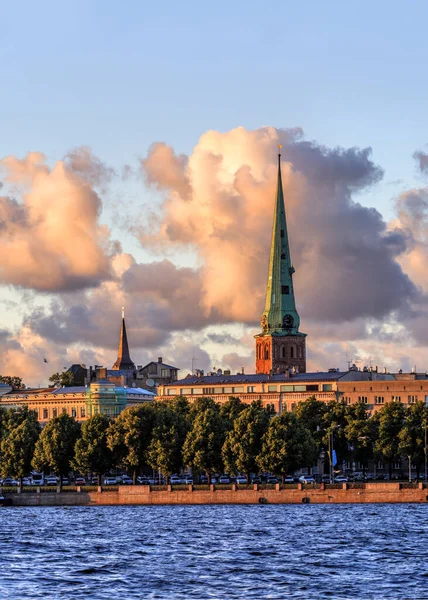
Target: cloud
346 257
422 160
51 239
89 167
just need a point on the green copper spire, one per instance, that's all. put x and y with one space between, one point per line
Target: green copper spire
280 316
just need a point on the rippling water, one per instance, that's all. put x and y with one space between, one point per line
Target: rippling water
298 551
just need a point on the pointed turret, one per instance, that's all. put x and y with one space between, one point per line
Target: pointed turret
280 345
123 362
280 314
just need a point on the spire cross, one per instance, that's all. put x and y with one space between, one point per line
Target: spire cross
123 312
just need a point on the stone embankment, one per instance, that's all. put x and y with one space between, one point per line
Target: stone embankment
276 494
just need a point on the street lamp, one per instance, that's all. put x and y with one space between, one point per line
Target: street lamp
331 452
425 451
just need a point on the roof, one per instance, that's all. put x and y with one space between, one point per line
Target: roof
139 392
73 389
155 362
258 378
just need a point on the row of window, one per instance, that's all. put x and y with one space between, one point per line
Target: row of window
263 352
381 399
46 413
209 391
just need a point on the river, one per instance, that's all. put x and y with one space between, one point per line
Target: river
284 551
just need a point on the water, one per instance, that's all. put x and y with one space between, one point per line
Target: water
284 551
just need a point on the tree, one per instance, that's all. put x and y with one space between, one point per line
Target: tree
361 433
55 446
391 420
64 379
172 423
22 431
230 410
286 446
335 422
243 442
204 441
311 413
91 452
412 435
13 381
129 436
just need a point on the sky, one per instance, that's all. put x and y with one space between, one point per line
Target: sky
137 158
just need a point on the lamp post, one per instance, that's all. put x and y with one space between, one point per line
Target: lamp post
410 468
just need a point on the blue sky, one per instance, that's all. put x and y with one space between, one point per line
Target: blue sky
119 76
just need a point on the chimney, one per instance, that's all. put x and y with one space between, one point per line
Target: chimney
242 370
102 373
159 359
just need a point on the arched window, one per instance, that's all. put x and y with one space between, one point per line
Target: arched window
283 354
291 351
266 352
300 352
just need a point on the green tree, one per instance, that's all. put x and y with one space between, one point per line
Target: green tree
361 432
286 446
311 413
412 435
335 422
18 443
205 439
230 410
55 446
65 379
13 381
91 452
391 420
172 423
129 436
243 442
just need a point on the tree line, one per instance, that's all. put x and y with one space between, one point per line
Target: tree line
210 438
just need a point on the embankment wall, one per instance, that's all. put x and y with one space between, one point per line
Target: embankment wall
127 495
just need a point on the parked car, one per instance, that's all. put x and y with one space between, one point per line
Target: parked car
26 481
126 480
340 479
9 481
256 479
288 479
65 481
272 480
143 480
80 480
109 480
241 479
51 480
203 479
38 478
306 479
224 479
189 480
213 479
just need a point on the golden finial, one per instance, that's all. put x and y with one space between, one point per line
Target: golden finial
123 312
279 146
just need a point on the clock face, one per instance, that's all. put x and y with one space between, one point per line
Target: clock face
288 322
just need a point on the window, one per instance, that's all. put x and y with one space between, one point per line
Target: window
218 390
73 412
282 233
164 372
285 289
45 413
196 391
292 351
327 387
171 392
54 412
251 389
186 391
412 399
396 464
82 411
286 388
379 399
266 353
272 388
208 390
238 390
347 399
396 398
228 390
283 354
64 410
380 465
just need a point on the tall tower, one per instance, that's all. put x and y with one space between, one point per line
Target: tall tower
123 362
280 345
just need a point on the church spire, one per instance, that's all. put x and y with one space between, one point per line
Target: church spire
123 362
280 315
